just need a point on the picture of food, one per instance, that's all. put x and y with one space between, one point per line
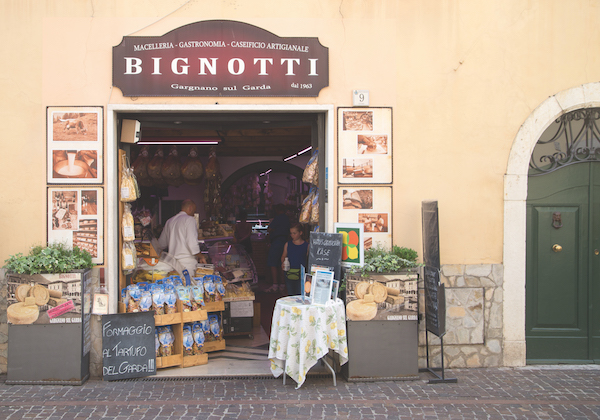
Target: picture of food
307 284
74 126
89 202
74 163
64 210
357 199
357 168
371 144
358 121
374 222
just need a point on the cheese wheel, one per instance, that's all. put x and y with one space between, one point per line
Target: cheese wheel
379 292
22 292
40 293
359 310
19 313
361 289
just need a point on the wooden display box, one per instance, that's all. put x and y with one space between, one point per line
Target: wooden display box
193 316
197 360
175 359
214 345
214 306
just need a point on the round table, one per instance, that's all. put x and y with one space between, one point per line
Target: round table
301 334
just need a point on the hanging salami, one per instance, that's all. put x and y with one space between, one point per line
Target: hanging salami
155 166
140 167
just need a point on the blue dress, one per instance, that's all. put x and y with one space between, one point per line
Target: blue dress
297 255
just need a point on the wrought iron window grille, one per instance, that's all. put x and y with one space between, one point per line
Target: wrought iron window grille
568 148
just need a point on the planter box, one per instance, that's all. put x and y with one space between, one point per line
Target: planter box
385 347
54 348
382 350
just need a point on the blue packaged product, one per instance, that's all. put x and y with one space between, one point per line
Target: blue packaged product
170 299
188 340
198 335
215 326
145 301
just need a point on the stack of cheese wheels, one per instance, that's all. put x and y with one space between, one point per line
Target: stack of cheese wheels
362 309
379 292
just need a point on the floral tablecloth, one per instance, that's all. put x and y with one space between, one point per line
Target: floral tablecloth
301 334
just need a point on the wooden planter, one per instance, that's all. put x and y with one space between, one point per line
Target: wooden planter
55 348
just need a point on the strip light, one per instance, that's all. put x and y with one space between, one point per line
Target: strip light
297 154
266 172
180 140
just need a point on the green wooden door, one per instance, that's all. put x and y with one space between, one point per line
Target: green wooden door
562 288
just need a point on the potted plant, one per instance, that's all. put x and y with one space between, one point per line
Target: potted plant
49 315
382 314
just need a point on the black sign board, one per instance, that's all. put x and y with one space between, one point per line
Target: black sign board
435 302
128 346
325 250
435 298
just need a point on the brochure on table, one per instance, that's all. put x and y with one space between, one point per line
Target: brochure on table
321 287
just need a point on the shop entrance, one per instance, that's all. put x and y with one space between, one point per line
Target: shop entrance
261 156
563 239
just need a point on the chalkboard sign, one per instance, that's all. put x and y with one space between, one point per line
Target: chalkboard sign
435 296
435 302
128 346
325 250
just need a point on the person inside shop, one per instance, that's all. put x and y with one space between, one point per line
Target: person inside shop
243 232
296 251
278 231
180 239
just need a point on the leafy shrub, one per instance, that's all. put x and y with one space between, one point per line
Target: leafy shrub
54 258
381 260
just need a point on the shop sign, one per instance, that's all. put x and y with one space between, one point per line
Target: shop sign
220 58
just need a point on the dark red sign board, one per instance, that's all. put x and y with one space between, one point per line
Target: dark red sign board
220 58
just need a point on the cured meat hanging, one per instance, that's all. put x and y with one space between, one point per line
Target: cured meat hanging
171 168
192 169
212 190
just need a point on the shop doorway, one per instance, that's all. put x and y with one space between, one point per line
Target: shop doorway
563 243
279 133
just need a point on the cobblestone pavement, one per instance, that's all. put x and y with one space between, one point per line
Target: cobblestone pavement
551 392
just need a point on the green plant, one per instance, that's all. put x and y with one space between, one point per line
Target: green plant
382 260
53 258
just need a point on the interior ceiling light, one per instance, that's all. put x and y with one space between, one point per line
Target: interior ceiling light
297 154
180 140
266 172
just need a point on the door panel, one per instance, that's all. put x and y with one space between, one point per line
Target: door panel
595 265
557 315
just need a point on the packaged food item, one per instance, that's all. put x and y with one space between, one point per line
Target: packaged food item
306 209
197 294
314 210
219 288
206 330
127 223
166 339
134 295
124 298
129 187
311 172
188 340
209 289
158 299
129 260
198 335
156 342
183 292
145 301
170 299
215 326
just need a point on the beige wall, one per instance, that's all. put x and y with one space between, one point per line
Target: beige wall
461 76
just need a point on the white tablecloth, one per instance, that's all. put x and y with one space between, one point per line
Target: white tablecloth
302 334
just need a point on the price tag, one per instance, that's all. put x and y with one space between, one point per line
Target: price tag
360 98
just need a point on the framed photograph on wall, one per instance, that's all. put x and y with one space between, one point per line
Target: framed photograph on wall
371 208
365 145
353 248
74 145
75 217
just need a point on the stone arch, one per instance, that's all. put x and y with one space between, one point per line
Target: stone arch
515 199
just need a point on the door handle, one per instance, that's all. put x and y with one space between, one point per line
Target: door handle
556 248
596 252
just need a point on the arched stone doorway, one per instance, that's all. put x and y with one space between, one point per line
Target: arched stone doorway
515 197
